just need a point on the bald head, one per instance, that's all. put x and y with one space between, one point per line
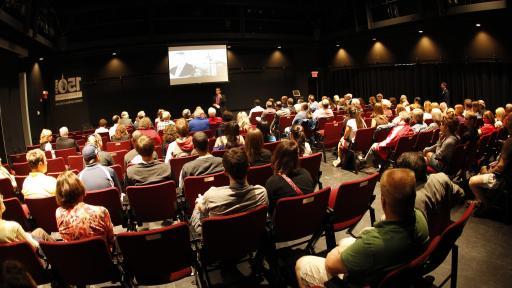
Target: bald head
398 193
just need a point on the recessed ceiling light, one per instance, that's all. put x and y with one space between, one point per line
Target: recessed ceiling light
279 47
41 58
478 25
420 31
374 39
114 53
337 45
229 46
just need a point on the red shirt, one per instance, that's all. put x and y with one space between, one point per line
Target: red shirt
153 135
215 120
487 129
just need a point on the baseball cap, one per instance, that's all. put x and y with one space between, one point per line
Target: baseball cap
89 152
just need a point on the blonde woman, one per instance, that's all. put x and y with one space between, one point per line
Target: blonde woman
243 121
500 115
45 141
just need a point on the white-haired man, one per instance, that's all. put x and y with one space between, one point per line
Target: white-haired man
64 142
166 120
125 119
199 122
324 112
212 117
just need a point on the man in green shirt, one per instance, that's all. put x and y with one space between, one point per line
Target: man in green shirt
392 242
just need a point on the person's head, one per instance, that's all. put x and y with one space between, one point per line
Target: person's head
403 100
279 105
243 120
166 115
286 157
354 112
289 102
488 117
437 115
253 143
405 117
90 154
125 115
186 113
102 123
393 101
141 115
443 106
182 127
135 136
508 108
386 104
115 119
257 102
218 90
236 165
482 104
199 112
145 147
311 98
212 112
415 162
227 116
14 274
449 125
355 102
417 115
36 160
470 119
435 105
145 123
121 131
500 113
377 109
159 113
269 104
508 124
95 139
398 193
399 108
427 106
372 100
475 107
450 112
325 103
468 103
379 97
46 136
459 110
304 107
444 85
231 131
63 131
417 100
200 141
170 134
69 190
264 127
284 100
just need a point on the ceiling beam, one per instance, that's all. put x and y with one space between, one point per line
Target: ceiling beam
21 28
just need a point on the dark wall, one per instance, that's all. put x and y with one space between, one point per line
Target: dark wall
138 79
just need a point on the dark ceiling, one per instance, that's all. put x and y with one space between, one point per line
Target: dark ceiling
78 25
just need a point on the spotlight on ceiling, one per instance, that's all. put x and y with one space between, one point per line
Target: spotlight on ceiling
420 31
279 47
338 45
478 25
41 58
114 53
374 39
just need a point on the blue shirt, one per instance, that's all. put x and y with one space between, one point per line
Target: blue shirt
198 124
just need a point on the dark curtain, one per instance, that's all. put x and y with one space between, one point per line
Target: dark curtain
488 81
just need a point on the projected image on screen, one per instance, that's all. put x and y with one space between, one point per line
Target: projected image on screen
198 64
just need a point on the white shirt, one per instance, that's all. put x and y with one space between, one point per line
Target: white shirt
112 131
38 185
11 231
256 109
323 113
101 130
427 116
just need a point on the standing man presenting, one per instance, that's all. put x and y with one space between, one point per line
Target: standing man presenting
219 101
445 94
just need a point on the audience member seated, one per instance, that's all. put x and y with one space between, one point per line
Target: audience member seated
427 110
303 114
488 126
212 117
159 116
37 184
148 171
269 109
121 134
77 220
133 157
45 141
96 176
500 116
238 197
105 157
186 115
397 119
354 123
145 127
113 129
417 117
140 116
382 150
243 121
256 154
391 242
436 194
281 110
492 176
440 154
312 103
477 109
125 119
11 231
437 118
288 179
291 106
471 133
102 126
4 173
227 116
205 164
459 113
165 121
231 137
297 134
386 105
64 142
378 117
324 111
417 103
183 145
264 127
257 107
199 122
